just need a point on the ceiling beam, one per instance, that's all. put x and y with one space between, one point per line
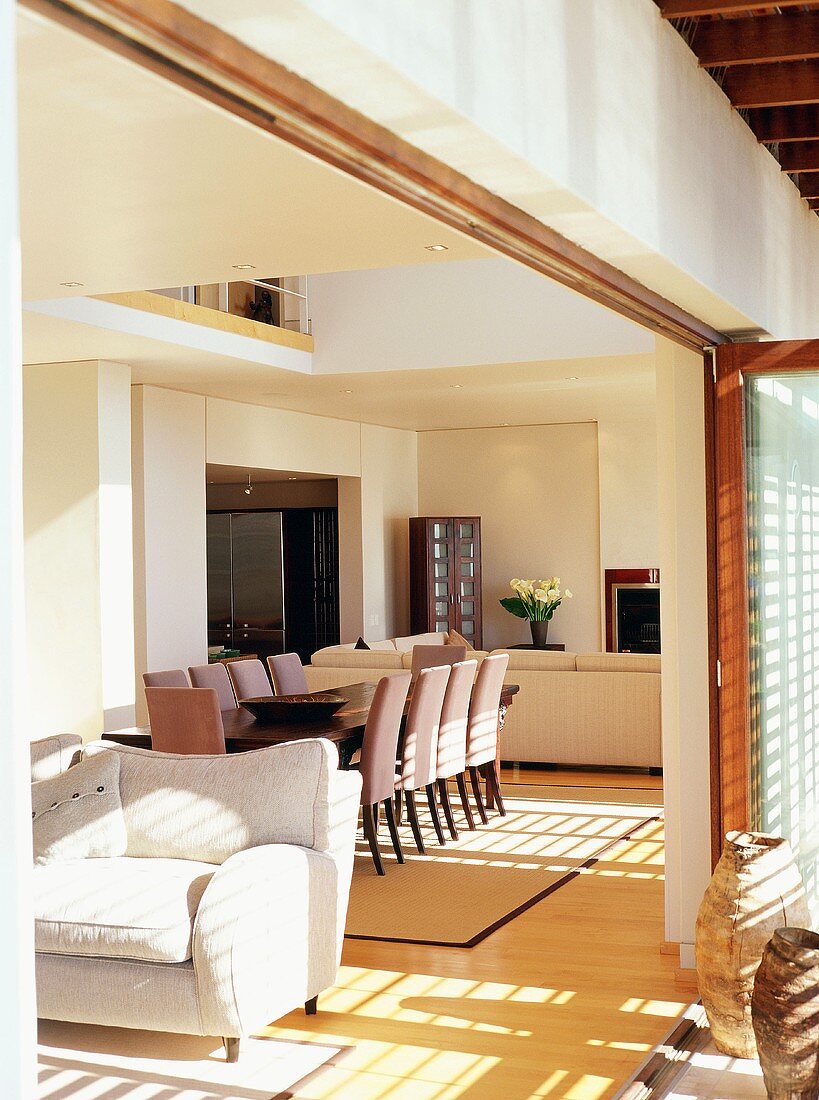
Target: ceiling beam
783 124
808 185
721 42
813 204
800 156
773 85
685 9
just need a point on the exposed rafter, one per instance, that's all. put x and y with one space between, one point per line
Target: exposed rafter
692 9
770 38
773 85
800 156
776 125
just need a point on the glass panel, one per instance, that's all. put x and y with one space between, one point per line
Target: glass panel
440 607
441 588
441 626
467 588
467 549
468 607
467 628
441 550
440 530
465 530
441 569
782 418
467 569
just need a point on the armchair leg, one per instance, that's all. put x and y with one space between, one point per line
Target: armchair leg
476 790
412 814
443 794
433 811
231 1048
460 779
371 838
311 1006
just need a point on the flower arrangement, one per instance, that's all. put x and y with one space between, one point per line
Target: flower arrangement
536 601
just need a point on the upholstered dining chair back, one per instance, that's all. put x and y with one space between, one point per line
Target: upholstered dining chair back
419 747
455 719
249 679
380 745
171 678
214 676
482 731
430 656
287 674
185 720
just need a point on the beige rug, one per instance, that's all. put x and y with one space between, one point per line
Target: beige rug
84 1062
457 895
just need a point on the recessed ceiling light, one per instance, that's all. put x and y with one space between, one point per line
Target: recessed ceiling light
456 386
346 391
72 284
437 247
292 479
505 424
571 378
244 267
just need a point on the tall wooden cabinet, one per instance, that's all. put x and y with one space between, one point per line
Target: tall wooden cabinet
445 575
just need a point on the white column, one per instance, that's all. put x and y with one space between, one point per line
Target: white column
17 1004
684 627
170 548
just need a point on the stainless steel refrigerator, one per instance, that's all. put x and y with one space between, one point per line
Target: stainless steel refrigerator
246 581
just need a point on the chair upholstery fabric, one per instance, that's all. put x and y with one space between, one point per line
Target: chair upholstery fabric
249 679
287 674
451 754
419 747
185 720
128 908
482 731
171 678
52 755
431 656
214 676
380 745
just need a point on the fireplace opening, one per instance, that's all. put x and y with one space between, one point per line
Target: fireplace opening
633 610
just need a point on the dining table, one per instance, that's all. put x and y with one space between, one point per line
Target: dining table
345 728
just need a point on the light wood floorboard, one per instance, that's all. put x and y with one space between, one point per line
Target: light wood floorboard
565 1001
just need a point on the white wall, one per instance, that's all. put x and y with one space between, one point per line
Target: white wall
684 626
17 1004
170 570
536 491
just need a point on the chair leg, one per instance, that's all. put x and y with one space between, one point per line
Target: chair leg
231 1048
476 790
490 771
399 808
375 817
433 812
443 793
372 840
412 814
460 779
311 1006
391 825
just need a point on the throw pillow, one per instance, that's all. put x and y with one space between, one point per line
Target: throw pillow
361 644
78 814
454 638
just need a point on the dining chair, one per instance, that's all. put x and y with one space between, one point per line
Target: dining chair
185 720
172 678
287 674
431 656
419 759
482 731
377 764
451 754
249 679
214 676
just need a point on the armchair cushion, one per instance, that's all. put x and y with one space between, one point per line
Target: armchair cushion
78 814
121 907
52 755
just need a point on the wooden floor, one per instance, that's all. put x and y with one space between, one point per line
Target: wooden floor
565 1001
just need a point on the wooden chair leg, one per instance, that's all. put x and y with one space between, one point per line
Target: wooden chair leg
372 840
375 817
399 808
433 813
412 814
476 790
490 771
391 825
311 1006
443 794
231 1048
460 779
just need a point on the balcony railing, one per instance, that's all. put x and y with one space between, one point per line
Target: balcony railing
282 301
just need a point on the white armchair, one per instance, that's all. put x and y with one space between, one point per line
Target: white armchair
226 911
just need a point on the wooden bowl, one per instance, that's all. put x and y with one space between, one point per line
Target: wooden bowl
293 708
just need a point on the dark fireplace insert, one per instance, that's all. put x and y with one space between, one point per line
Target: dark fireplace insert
633 610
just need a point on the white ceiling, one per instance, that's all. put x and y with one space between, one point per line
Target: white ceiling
233 475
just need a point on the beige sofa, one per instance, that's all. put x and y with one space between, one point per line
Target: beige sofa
572 708
228 908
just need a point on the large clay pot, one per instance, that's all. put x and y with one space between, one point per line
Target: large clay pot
785 1010
755 889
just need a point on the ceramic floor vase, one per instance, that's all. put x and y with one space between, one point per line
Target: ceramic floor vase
785 1011
755 889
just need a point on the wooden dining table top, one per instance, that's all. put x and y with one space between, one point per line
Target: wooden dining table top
345 728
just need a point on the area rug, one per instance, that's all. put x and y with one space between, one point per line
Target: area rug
457 895
84 1062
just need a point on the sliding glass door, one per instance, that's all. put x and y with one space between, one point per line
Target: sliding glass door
768 554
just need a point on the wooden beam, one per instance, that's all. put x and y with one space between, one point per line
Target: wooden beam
686 9
770 38
168 40
800 156
813 204
808 185
773 85
782 124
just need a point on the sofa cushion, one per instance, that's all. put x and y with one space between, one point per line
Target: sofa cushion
357 658
543 660
361 644
471 655
122 907
78 814
53 755
454 638
618 662
404 645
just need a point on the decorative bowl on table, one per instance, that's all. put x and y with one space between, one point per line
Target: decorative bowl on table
293 708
